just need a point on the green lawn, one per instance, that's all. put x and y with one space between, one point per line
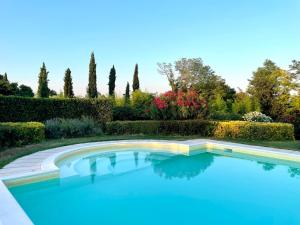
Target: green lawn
10 154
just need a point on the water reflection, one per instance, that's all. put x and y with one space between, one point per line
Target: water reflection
93 168
267 166
180 166
113 159
136 158
294 172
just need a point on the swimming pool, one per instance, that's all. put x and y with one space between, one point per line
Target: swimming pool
140 186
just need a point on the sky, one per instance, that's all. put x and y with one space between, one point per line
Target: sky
234 37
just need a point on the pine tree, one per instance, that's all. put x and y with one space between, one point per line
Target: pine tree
136 82
127 94
112 81
92 87
43 90
68 85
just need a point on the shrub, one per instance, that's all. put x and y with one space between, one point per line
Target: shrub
15 134
178 105
204 128
63 128
20 109
254 130
126 112
293 118
141 102
257 117
153 127
225 116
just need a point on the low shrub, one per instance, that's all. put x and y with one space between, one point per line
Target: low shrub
63 128
165 127
203 128
254 130
21 109
257 117
16 134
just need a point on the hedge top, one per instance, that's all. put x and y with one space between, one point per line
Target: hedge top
22 109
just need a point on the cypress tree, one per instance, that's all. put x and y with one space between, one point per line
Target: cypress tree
92 87
127 94
5 77
136 82
68 85
43 90
112 81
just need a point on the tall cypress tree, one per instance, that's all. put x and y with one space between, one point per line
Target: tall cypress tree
92 87
127 94
136 82
112 81
43 90
68 85
5 77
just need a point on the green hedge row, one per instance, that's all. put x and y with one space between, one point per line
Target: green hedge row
254 130
15 134
21 109
166 127
231 129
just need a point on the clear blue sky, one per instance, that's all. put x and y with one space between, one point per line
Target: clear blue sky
233 37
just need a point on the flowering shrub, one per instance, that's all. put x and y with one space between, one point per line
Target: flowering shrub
178 105
256 117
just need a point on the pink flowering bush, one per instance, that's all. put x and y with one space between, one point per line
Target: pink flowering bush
178 105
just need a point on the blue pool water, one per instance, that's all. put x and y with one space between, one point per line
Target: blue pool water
146 188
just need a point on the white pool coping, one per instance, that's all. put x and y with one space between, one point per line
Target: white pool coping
42 165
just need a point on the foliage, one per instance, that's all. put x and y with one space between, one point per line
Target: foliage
192 73
141 101
218 105
25 91
225 116
254 131
178 105
92 86
112 81
272 87
63 128
7 88
136 82
257 117
125 112
231 129
68 85
43 90
15 134
127 95
244 103
17 109
178 127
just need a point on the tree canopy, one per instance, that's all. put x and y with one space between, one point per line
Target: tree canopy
272 87
193 73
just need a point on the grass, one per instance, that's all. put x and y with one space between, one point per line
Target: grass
10 154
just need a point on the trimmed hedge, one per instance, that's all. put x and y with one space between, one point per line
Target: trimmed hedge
15 134
21 109
254 130
231 129
165 127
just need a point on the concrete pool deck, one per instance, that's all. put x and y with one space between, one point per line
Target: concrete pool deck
42 165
